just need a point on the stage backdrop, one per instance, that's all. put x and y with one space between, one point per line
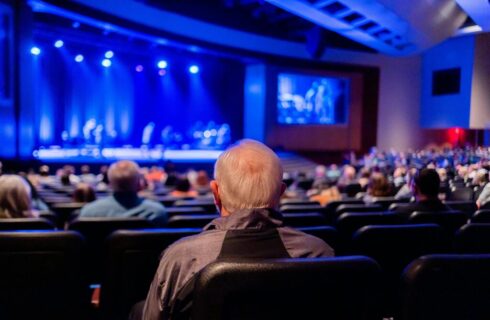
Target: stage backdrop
126 96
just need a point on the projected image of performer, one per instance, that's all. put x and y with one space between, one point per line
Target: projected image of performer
89 126
324 106
147 133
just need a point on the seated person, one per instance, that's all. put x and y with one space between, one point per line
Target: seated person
425 187
84 193
125 181
183 189
378 186
247 188
15 197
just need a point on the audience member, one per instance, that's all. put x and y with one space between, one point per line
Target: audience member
183 189
125 181
247 188
86 176
378 186
326 193
84 193
425 187
15 197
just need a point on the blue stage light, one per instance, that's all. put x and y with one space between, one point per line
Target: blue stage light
162 72
59 43
109 54
162 64
193 69
35 51
75 24
139 68
79 58
106 63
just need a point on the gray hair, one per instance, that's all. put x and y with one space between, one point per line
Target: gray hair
249 175
124 176
15 197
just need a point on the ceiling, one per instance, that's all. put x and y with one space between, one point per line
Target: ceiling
394 27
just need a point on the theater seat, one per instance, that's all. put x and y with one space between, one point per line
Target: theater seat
206 203
190 220
461 194
449 220
41 275
468 207
132 260
329 288
481 216
309 219
25 224
393 247
326 233
173 211
473 238
95 231
448 287
302 208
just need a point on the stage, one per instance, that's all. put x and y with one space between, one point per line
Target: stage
109 155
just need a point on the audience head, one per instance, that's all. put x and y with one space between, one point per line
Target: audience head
84 193
247 175
183 185
124 176
15 197
378 185
426 183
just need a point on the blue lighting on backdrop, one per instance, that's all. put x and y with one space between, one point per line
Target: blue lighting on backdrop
35 51
79 58
59 43
106 63
193 69
89 104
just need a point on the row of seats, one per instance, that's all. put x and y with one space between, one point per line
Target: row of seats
47 270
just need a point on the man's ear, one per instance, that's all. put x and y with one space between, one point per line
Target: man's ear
215 190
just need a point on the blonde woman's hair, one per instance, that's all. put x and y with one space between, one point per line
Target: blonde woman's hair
15 197
249 175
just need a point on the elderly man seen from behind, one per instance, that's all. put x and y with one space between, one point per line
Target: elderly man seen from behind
125 181
247 188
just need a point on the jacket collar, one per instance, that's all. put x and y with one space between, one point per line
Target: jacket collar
261 218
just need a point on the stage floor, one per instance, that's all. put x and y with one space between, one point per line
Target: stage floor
94 155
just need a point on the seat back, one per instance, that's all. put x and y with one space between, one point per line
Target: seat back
473 238
449 287
461 194
348 223
302 208
310 219
393 247
357 208
332 206
25 224
132 260
326 233
190 220
449 220
95 231
481 216
386 202
173 211
340 288
468 207
206 203
41 275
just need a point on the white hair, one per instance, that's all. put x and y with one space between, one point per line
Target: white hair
124 176
249 175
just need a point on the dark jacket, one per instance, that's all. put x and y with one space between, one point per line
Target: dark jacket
432 205
252 234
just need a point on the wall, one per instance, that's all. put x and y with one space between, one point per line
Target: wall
399 96
450 110
480 91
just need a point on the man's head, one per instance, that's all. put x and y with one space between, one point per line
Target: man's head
247 175
426 183
124 176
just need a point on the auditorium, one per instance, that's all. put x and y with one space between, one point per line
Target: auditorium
245 159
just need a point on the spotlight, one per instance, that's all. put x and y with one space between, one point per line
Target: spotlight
35 51
162 72
79 58
109 54
75 24
139 68
59 43
162 64
193 69
106 63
